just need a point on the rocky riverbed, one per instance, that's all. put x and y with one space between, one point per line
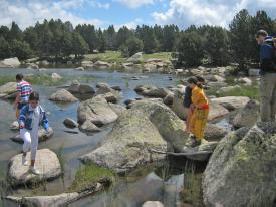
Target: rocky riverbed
121 122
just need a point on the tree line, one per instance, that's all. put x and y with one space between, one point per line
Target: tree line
190 47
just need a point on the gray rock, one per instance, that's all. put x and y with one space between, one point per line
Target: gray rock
102 85
56 200
213 132
70 123
10 62
77 88
246 81
56 77
136 58
168 100
63 95
110 94
87 64
42 136
242 167
254 72
80 68
102 64
14 125
88 126
147 125
216 111
46 162
8 88
151 91
32 66
96 110
231 102
118 109
178 105
153 204
248 115
44 63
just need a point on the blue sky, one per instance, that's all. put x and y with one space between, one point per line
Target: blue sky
130 13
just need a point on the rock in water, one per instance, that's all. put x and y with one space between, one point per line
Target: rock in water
96 110
46 162
88 126
8 88
248 115
147 125
231 102
153 204
63 95
242 168
42 136
70 123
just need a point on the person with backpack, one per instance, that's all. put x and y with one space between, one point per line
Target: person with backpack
188 100
31 117
200 111
268 76
23 89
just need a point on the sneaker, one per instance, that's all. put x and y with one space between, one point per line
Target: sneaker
34 171
24 160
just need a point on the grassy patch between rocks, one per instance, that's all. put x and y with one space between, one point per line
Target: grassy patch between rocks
88 175
160 55
108 56
192 191
249 91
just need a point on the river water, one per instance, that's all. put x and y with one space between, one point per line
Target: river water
133 190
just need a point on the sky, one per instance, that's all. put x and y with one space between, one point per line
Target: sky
130 13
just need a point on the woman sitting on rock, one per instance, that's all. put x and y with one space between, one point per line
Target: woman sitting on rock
200 111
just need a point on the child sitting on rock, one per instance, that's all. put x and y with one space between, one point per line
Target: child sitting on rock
31 117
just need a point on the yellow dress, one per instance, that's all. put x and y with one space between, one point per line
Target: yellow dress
199 116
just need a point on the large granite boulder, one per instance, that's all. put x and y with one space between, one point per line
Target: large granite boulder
242 168
46 162
136 58
231 102
147 125
8 88
96 110
247 116
216 111
10 63
63 95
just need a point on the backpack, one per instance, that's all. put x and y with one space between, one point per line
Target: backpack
270 41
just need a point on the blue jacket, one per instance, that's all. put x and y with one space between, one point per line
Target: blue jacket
26 115
267 56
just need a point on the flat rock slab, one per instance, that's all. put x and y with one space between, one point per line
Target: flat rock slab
56 200
42 136
46 162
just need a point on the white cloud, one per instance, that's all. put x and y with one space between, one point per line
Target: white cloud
215 12
130 24
27 13
135 3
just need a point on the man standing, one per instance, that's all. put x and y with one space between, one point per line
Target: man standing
24 89
268 76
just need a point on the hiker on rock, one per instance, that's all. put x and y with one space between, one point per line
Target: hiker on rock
23 89
200 111
31 117
268 76
188 101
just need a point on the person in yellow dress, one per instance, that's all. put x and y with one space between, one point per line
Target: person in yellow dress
200 111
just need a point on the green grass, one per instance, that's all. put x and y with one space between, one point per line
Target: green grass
108 56
115 56
88 175
160 55
6 78
192 191
249 91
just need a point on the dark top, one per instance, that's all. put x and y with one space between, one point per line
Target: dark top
188 97
267 51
